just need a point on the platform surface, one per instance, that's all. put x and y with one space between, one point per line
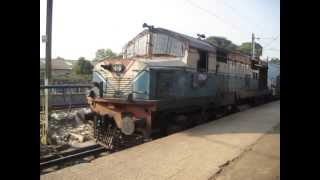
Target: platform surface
261 162
198 153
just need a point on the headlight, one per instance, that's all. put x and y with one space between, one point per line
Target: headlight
118 68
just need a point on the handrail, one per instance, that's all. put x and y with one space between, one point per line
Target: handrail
66 86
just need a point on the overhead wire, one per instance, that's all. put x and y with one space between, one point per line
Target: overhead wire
222 20
265 38
271 41
271 49
234 10
215 15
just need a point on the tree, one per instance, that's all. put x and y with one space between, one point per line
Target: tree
58 57
247 48
275 61
222 42
104 54
83 66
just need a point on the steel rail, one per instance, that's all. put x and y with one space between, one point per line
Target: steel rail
67 106
71 155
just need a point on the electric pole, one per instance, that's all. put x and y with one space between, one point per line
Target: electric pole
253 47
48 40
47 77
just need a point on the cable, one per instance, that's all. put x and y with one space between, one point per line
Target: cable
271 49
237 12
234 10
221 19
265 38
215 15
271 41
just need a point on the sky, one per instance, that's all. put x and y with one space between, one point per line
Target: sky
81 27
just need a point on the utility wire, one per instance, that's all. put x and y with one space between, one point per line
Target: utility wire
271 41
222 20
234 10
265 38
215 15
271 49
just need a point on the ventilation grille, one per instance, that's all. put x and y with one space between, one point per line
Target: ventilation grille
117 87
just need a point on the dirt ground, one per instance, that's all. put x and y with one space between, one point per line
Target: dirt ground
67 129
261 162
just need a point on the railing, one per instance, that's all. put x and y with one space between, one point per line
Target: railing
65 86
63 95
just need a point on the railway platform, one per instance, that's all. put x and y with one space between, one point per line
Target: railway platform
197 153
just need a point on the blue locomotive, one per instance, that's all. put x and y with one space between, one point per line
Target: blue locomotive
274 79
166 78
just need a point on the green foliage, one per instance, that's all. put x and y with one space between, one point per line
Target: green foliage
226 44
104 54
247 48
83 66
275 61
73 78
222 42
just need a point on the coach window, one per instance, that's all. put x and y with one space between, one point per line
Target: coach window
202 65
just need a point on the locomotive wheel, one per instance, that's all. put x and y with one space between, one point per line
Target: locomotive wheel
212 114
114 140
253 102
191 122
96 121
204 117
232 109
196 119
164 122
110 136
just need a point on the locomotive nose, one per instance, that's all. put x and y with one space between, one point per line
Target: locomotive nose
114 67
118 67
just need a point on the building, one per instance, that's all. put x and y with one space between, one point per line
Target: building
62 74
59 67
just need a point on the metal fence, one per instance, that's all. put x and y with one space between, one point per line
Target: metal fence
62 96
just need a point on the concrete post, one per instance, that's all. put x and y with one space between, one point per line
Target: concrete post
47 80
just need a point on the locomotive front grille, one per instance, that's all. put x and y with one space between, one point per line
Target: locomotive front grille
118 87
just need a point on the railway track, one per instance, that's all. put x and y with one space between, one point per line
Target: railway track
63 158
66 106
60 107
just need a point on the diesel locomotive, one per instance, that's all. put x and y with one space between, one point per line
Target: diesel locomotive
165 77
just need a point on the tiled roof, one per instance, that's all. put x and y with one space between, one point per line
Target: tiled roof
58 64
194 42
